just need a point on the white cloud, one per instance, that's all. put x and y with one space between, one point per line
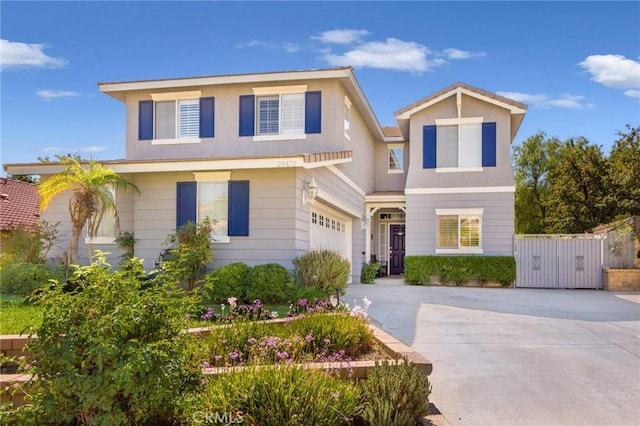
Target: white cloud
341 36
48 95
93 148
540 100
452 53
287 46
391 54
615 71
19 55
52 149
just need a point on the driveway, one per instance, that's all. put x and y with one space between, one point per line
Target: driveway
519 356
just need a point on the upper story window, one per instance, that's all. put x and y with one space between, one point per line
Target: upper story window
176 117
459 144
347 118
280 113
396 159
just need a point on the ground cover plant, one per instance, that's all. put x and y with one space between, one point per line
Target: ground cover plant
18 315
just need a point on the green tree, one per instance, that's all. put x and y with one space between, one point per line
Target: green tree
91 186
624 172
531 162
579 196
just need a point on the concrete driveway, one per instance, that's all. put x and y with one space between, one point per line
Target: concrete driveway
519 356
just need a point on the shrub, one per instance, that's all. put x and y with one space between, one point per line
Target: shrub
270 283
459 269
22 278
396 394
276 396
325 270
114 352
187 261
22 245
224 282
369 272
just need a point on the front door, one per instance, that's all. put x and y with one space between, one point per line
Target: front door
396 258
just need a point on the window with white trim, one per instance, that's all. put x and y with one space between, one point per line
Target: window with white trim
106 232
177 119
459 230
459 143
213 202
281 114
347 118
396 159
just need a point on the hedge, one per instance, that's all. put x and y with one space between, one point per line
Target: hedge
460 269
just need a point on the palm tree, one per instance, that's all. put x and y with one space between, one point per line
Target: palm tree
92 196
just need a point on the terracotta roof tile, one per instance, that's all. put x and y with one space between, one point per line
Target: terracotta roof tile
18 204
464 86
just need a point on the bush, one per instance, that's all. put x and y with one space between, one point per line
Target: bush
227 281
325 270
369 272
22 278
187 262
396 394
459 269
270 283
276 396
114 352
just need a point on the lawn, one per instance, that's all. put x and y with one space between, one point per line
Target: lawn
16 315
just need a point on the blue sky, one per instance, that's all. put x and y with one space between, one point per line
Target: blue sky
576 64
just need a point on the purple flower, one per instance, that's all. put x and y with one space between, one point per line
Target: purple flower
308 338
204 381
205 364
217 357
234 355
282 355
303 302
257 303
271 342
326 341
251 341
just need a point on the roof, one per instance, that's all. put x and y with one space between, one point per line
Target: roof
18 204
389 131
425 102
119 90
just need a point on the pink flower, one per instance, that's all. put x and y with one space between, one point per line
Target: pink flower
308 338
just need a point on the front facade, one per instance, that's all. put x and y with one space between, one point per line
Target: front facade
291 161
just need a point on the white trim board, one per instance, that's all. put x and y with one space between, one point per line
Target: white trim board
460 190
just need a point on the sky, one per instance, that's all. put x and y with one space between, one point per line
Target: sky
575 64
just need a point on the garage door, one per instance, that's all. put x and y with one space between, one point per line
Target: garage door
330 230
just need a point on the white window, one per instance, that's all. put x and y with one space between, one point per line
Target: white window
213 202
459 144
177 119
347 118
396 159
106 232
459 231
281 114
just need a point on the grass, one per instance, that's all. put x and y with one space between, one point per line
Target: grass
16 316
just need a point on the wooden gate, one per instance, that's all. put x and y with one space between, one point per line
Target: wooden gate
559 261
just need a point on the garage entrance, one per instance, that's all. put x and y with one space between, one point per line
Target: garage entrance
330 230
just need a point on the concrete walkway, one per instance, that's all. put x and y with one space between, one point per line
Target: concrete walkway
519 356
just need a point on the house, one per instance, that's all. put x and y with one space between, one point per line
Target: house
18 205
288 161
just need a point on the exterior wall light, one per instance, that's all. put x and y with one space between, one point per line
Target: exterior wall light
310 194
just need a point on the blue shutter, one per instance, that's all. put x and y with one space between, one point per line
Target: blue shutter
238 214
145 120
312 112
429 153
207 115
488 144
186 196
247 115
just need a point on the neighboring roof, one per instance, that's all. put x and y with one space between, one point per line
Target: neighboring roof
515 107
18 204
304 160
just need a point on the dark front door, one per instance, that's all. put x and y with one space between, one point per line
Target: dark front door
396 258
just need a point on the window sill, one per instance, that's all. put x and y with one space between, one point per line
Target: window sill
467 250
100 240
395 172
180 141
458 169
279 137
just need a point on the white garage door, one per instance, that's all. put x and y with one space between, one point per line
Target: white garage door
330 230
